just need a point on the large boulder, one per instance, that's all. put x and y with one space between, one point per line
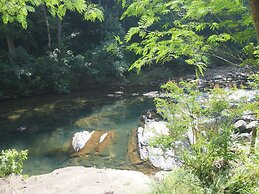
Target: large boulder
240 125
79 180
160 158
252 125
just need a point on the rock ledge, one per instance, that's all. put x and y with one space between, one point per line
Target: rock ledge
79 180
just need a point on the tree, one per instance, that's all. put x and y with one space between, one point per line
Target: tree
196 31
47 25
17 10
254 4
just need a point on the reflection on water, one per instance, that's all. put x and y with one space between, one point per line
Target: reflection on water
51 121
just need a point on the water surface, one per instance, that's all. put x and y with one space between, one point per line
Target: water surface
51 122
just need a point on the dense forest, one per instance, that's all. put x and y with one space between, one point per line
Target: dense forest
56 47
64 46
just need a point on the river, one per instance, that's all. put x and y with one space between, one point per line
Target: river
49 123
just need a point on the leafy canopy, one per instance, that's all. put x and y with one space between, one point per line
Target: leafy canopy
194 30
17 10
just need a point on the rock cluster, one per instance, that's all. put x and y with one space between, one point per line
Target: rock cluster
244 127
225 80
168 159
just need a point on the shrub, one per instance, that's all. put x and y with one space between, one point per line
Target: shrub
179 181
212 157
244 179
12 162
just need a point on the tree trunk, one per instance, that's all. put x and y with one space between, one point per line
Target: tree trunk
59 33
10 43
254 4
47 26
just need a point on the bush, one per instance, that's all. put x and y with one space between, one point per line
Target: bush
12 162
245 178
213 156
179 181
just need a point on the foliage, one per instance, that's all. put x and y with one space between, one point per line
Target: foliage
254 81
179 181
208 117
189 29
90 54
252 53
109 60
244 178
13 10
12 162
51 73
176 105
211 157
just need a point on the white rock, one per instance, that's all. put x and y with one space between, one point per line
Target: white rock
249 95
248 116
152 94
103 137
217 77
80 139
164 159
252 125
111 95
245 136
191 137
118 92
134 94
156 128
241 125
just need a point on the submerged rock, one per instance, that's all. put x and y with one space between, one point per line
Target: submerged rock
21 129
90 121
96 142
133 149
103 137
80 139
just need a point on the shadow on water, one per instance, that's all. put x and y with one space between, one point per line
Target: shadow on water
45 126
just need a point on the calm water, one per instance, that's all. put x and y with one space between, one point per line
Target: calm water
51 122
